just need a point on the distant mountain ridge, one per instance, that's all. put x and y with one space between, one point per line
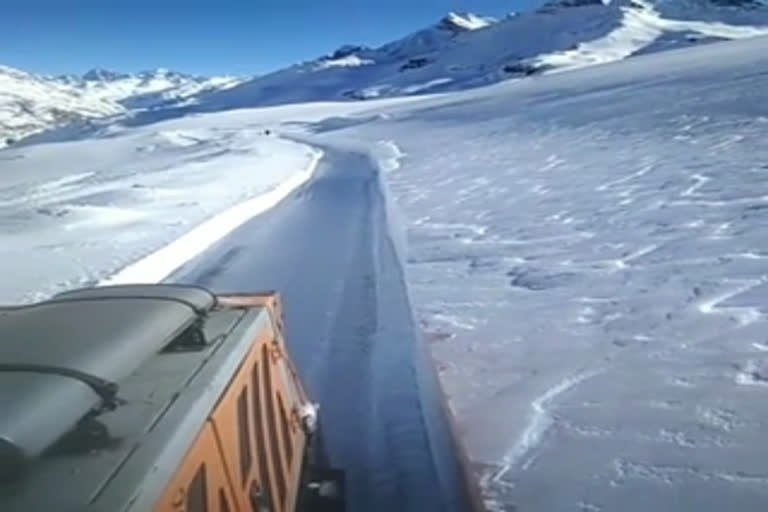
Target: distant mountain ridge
466 50
459 51
163 84
31 103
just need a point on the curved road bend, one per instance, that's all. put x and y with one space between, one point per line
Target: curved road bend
349 327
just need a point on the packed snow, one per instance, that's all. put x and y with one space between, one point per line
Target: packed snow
643 25
76 213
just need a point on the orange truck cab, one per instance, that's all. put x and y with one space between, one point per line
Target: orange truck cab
156 397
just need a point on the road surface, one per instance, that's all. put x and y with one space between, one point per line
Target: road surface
349 326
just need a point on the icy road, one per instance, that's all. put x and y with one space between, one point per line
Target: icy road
326 248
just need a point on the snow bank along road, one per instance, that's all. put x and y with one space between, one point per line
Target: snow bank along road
348 320
587 252
75 212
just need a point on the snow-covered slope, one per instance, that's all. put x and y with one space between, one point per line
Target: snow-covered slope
77 212
586 249
464 50
458 52
587 256
32 103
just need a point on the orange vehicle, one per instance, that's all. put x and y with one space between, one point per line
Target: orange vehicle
156 397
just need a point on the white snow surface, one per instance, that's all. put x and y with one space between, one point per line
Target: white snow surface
585 253
464 50
585 250
76 213
641 26
348 61
466 21
161 263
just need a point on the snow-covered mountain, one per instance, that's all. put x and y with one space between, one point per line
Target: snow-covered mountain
465 50
32 103
147 88
461 51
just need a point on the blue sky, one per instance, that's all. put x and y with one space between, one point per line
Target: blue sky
208 36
